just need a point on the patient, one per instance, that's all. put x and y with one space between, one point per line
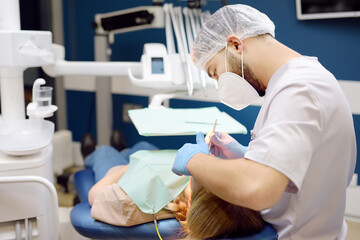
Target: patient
201 214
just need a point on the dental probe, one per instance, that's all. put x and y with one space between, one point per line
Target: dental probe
213 132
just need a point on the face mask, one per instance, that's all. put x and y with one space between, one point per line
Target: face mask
235 91
149 181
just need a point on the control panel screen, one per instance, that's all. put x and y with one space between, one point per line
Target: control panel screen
157 65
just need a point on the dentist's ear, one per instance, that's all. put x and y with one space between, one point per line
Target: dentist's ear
235 43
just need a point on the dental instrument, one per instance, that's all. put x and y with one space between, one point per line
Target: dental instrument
175 59
168 31
189 66
182 48
197 13
195 29
189 34
193 23
213 131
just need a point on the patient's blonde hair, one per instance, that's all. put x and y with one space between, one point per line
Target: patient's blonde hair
180 206
210 216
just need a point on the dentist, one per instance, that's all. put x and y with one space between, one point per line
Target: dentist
302 152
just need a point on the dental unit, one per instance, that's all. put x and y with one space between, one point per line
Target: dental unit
28 197
29 200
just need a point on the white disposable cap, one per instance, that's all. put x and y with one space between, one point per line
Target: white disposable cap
240 20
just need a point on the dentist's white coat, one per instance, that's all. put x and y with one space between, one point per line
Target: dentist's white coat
305 131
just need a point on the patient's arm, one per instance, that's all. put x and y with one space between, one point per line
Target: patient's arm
112 176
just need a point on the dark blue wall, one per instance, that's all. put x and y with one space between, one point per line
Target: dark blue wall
336 42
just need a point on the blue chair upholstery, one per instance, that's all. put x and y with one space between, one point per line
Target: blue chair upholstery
88 227
83 182
85 225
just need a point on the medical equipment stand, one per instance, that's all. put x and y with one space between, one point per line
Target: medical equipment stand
104 109
58 38
104 106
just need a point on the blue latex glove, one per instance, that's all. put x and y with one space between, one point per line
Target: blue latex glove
225 146
186 152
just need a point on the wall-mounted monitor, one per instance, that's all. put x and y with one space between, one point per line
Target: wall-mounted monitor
320 9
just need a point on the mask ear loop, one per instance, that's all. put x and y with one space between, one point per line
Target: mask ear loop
225 58
242 63
242 60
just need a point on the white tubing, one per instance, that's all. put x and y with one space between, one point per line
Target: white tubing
188 69
170 44
179 18
9 15
36 87
12 94
177 33
197 13
189 34
63 68
181 49
30 229
203 17
193 24
18 234
206 16
26 229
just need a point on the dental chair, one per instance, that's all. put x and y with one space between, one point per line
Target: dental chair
88 227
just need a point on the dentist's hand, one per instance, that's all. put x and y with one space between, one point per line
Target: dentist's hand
225 146
186 152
